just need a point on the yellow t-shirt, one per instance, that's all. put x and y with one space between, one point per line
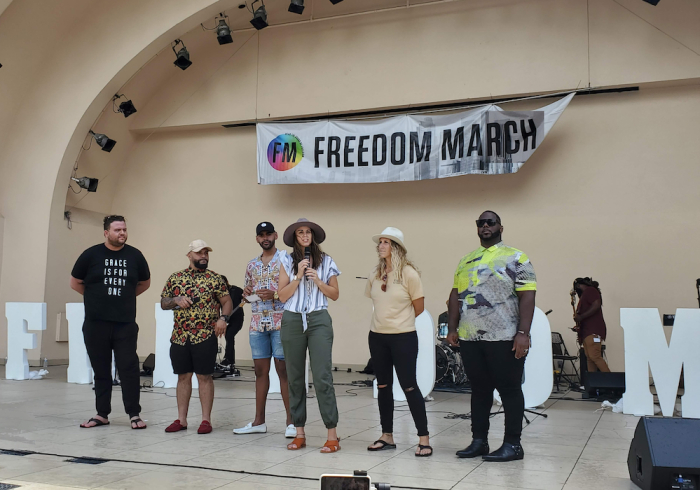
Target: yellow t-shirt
393 309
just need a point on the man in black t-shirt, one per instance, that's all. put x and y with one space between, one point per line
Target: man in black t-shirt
110 276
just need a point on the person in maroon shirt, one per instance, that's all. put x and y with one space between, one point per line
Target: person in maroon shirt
589 318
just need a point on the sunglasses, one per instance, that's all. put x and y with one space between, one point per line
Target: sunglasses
490 222
384 278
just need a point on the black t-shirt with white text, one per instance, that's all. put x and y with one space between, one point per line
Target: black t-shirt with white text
110 279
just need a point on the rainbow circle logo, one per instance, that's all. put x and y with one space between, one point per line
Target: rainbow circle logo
285 152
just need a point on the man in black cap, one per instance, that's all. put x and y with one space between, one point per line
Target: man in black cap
262 278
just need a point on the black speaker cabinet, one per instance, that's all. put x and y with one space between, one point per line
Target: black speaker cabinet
149 364
665 454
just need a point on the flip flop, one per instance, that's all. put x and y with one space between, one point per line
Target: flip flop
420 448
384 445
299 442
334 446
98 423
136 421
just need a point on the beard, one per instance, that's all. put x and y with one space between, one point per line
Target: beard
270 245
201 264
117 242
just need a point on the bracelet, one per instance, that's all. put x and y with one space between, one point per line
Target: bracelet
524 333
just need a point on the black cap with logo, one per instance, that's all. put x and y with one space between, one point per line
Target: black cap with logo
265 226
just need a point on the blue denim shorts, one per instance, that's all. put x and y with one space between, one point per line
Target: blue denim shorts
265 345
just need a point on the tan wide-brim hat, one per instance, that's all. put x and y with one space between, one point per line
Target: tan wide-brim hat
393 234
319 234
198 246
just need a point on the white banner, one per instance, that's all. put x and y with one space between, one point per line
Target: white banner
487 140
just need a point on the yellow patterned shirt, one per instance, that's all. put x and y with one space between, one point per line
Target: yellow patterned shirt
487 281
205 288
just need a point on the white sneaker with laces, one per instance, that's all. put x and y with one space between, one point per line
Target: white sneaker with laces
251 429
291 432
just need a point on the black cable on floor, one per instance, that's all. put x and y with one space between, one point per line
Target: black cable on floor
174 465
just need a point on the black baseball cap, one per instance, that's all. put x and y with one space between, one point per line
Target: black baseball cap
264 226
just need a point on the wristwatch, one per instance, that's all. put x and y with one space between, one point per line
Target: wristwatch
275 296
294 278
225 317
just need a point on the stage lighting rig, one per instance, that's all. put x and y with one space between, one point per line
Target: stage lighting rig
296 6
86 183
259 16
127 107
223 31
105 143
183 56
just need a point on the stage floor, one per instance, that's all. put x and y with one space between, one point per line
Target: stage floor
576 447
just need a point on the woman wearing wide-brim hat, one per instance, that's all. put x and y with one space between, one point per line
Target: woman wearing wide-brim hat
305 284
397 293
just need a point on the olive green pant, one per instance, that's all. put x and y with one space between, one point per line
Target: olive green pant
318 338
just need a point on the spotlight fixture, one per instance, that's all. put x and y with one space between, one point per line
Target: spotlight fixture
86 183
183 56
336 2
104 142
223 32
127 107
260 16
296 6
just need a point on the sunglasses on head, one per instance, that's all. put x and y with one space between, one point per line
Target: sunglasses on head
490 222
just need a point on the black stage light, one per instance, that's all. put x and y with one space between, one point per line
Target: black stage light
223 32
183 56
653 2
127 107
259 17
104 142
86 183
336 2
296 6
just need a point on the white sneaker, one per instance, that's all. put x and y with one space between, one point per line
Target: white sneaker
251 429
291 432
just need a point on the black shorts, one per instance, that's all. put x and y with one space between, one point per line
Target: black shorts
194 358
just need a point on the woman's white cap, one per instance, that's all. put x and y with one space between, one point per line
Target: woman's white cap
393 234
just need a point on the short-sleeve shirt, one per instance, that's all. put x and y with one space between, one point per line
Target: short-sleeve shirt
487 281
205 288
594 325
110 278
266 315
308 297
393 309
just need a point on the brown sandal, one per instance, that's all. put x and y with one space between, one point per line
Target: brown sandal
334 446
299 442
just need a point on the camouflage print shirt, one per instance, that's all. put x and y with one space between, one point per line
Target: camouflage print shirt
487 281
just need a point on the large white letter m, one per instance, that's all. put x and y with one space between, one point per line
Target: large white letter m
646 347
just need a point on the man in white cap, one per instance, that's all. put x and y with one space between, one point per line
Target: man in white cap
197 295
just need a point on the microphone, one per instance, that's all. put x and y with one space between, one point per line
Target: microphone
307 254
697 283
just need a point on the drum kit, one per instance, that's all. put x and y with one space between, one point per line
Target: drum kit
449 367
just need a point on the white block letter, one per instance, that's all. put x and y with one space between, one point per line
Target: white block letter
22 317
79 368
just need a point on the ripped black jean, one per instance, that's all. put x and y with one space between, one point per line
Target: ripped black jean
398 351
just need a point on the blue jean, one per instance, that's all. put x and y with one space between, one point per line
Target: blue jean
264 345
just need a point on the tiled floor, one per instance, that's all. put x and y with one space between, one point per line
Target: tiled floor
576 447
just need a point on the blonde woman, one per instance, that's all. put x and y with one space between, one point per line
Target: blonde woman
397 293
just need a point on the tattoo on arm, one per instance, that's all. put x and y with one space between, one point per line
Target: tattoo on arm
168 303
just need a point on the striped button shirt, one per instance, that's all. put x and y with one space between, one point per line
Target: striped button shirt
308 297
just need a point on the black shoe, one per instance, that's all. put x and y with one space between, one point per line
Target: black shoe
507 452
478 447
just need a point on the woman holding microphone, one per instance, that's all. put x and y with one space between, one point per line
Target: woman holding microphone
397 293
309 277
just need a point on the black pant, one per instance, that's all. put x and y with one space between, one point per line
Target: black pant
101 338
489 366
398 351
234 327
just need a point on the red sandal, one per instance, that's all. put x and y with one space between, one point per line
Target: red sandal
334 446
299 442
